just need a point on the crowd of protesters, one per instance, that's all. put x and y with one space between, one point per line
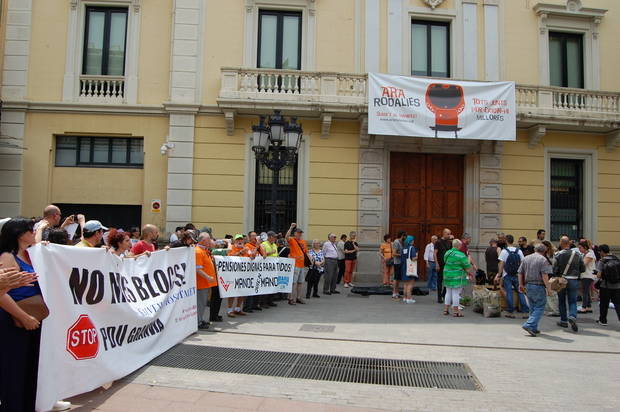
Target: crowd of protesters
22 307
527 270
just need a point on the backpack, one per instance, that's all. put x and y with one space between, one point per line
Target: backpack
611 269
513 261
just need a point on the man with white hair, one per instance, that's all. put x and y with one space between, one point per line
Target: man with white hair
534 280
330 252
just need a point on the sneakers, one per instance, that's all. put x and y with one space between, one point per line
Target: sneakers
203 325
408 301
335 292
61 406
346 285
562 324
532 332
598 322
351 285
573 324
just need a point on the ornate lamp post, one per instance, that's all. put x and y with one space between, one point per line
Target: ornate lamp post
276 144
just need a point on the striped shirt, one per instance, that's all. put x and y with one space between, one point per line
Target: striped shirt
454 270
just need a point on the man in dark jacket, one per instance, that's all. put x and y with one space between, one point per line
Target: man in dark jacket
569 264
610 291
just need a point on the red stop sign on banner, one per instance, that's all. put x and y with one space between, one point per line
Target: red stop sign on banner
82 339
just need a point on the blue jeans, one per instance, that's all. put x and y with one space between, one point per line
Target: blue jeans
537 296
569 293
512 282
431 274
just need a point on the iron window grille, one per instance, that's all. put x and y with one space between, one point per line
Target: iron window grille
112 152
566 198
286 203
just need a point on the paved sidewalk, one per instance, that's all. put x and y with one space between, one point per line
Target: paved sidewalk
560 370
125 397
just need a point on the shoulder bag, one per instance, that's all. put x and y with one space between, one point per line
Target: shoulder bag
559 282
390 261
307 262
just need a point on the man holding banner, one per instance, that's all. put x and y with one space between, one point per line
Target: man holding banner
205 276
238 249
299 251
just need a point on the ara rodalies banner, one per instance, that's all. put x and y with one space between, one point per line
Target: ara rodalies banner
422 107
242 276
108 316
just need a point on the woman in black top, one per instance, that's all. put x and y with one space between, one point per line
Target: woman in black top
350 259
492 259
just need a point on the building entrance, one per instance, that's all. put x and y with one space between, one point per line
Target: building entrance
426 195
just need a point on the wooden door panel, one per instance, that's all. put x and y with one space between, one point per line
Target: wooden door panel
426 195
453 204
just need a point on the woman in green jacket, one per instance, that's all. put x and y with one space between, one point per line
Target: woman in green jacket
456 273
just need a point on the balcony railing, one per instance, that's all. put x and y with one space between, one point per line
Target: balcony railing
307 90
561 98
293 85
102 89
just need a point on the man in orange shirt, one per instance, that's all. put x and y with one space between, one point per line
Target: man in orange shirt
238 249
298 249
205 276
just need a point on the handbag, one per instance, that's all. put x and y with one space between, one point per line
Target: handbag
35 307
390 261
559 282
412 268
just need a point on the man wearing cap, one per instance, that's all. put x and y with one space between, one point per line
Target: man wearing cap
92 234
150 233
298 249
238 249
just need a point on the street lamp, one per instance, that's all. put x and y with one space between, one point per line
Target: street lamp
276 144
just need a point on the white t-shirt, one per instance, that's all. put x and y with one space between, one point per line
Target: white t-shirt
503 257
589 273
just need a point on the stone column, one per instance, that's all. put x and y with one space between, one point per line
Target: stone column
370 209
14 91
490 194
185 98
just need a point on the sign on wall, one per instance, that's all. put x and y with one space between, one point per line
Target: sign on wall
108 316
447 109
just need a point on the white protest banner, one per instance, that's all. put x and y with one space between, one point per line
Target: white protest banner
242 276
423 107
108 316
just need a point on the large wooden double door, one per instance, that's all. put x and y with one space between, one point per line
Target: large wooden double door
426 196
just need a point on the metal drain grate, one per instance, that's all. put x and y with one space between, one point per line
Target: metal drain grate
423 374
307 327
